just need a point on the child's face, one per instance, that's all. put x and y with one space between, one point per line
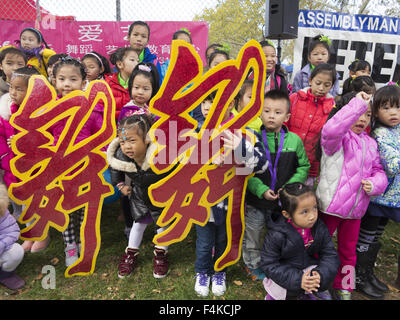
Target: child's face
139 38
245 100
205 107
389 115
184 37
10 63
362 122
270 57
318 55
93 70
358 73
321 84
29 40
68 79
219 58
306 213
141 90
274 114
133 145
18 89
128 63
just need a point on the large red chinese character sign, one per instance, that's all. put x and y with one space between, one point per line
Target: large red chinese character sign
59 177
195 185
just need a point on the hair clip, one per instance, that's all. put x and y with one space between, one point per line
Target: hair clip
185 30
325 39
123 132
270 43
143 67
225 48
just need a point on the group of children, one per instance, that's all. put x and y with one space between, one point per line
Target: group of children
323 162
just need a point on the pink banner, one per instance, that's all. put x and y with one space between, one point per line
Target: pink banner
77 38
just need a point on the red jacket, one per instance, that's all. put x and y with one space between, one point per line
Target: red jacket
121 95
308 116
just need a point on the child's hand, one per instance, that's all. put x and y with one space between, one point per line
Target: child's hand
231 140
365 96
126 190
270 195
310 283
367 185
9 141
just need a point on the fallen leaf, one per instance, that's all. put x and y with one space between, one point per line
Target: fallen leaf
54 261
170 289
238 283
132 296
395 240
393 288
39 276
156 290
104 276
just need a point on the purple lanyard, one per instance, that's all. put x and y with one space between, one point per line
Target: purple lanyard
273 170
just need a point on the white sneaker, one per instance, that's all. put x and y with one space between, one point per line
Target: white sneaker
202 284
71 254
218 283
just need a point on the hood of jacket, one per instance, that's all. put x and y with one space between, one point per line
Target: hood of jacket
128 165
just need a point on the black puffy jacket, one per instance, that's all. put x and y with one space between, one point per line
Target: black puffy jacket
284 256
142 178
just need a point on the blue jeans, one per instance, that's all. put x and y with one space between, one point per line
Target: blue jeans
209 236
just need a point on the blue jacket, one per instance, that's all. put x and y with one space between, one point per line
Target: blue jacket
388 139
149 57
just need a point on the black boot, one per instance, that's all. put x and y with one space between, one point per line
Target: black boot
375 247
363 276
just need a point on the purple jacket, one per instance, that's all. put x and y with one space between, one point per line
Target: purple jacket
348 158
9 232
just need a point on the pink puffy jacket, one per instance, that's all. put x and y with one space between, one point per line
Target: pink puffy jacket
348 158
6 153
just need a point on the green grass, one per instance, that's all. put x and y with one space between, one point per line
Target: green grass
104 283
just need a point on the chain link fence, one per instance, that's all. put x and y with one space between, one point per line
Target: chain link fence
231 22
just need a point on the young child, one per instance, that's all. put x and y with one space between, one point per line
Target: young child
142 86
11 253
219 55
213 233
216 57
35 48
181 34
288 163
356 69
210 49
70 75
138 37
125 60
243 98
129 155
275 77
11 59
318 52
386 131
50 65
350 174
96 67
298 256
18 89
309 111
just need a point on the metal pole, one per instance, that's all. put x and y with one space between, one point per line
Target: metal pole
118 9
38 15
279 51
